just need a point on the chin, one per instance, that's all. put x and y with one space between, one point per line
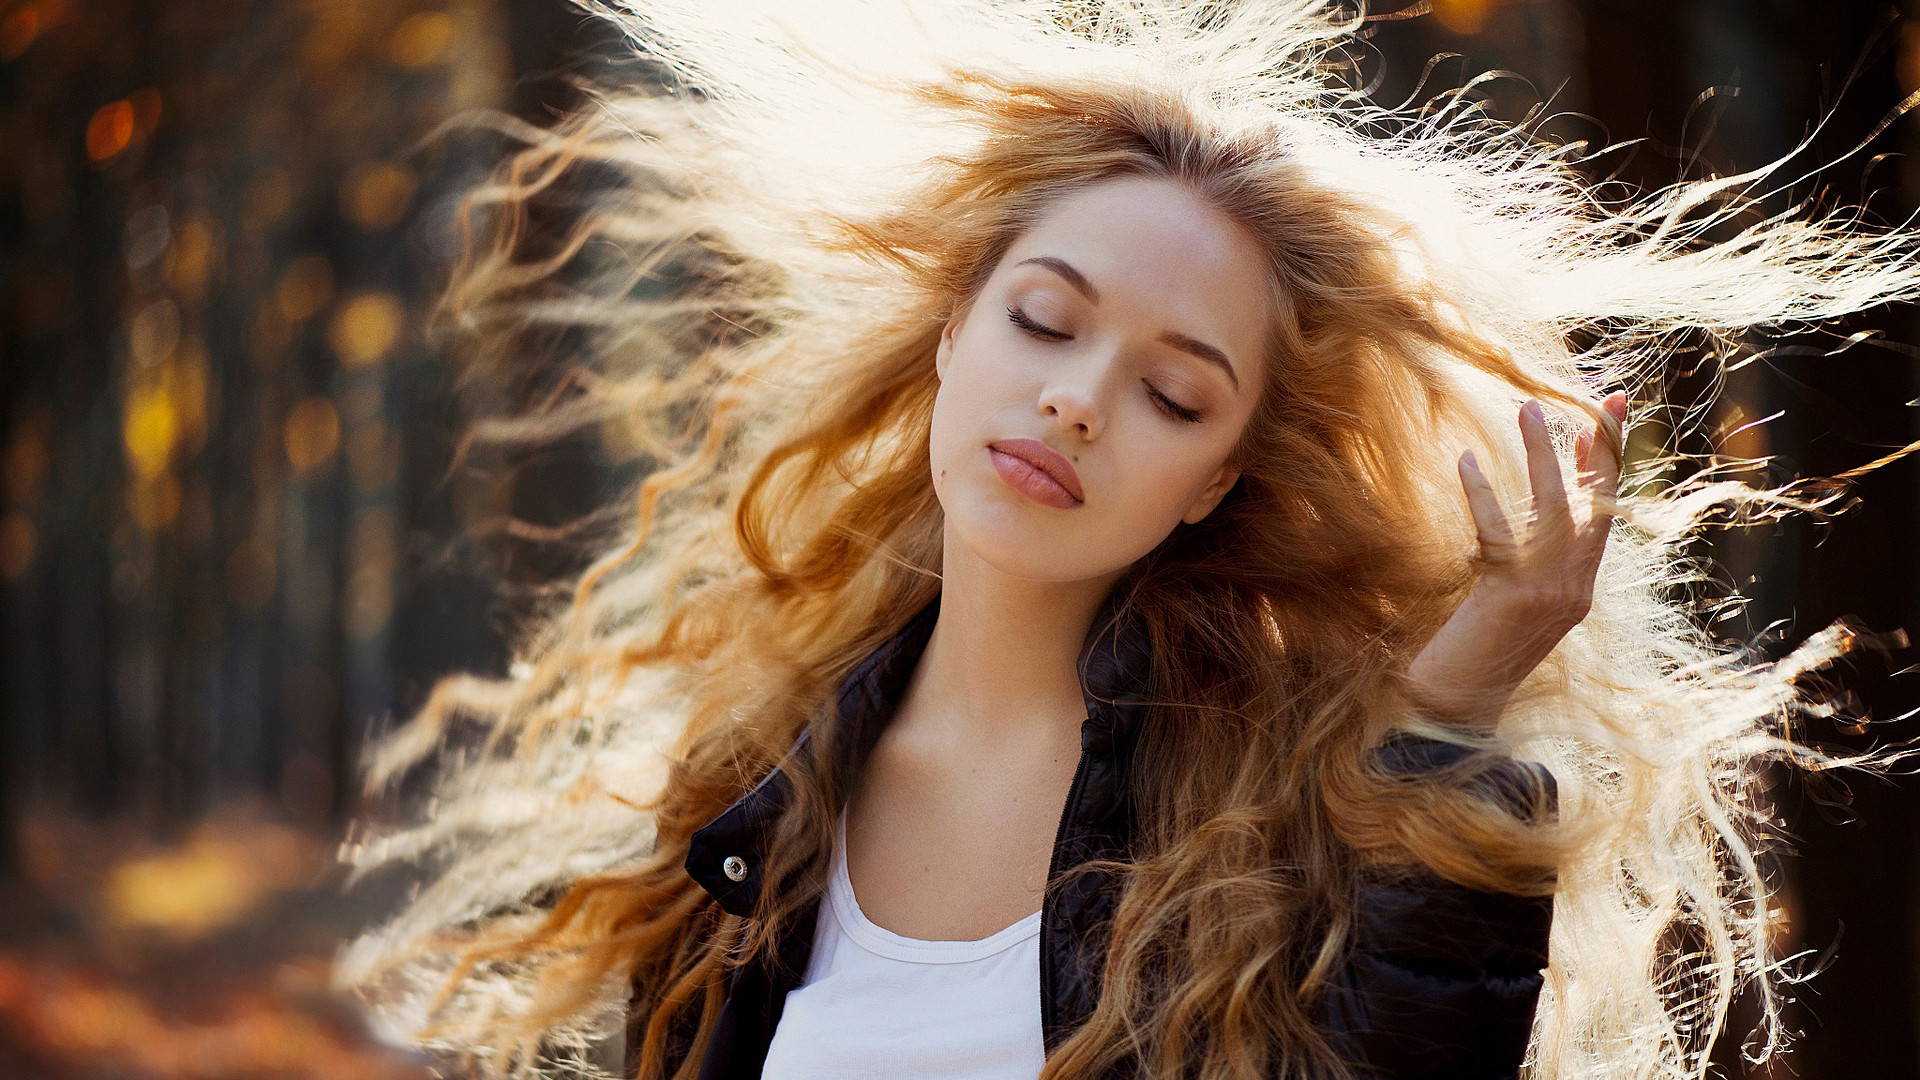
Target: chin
1004 535
1026 541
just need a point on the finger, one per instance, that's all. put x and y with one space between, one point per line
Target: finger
1604 475
1598 474
1489 520
1543 468
1616 404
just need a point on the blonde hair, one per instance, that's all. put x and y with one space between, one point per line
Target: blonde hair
774 240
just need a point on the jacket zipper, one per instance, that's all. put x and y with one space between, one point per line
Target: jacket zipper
1053 866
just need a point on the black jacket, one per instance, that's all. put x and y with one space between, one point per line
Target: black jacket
1442 982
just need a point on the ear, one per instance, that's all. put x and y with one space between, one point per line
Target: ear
943 353
1211 495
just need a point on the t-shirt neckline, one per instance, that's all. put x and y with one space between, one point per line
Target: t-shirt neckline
884 942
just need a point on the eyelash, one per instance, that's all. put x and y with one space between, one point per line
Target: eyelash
1166 404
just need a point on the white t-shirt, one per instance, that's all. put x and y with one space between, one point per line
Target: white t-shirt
876 1005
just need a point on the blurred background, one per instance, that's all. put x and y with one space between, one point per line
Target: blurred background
235 537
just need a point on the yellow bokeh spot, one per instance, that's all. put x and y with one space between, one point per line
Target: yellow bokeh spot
191 258
27 23
187 893
150 427
1463 16
305 286
376 194
18 30
421 39
190 388
153 332
365 328
312 433
110 130
154 502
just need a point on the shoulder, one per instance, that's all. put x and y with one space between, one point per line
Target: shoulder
1441 980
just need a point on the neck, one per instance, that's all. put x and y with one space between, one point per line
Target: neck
1001 666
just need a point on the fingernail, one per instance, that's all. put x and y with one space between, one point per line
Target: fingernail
1533 406
1470 462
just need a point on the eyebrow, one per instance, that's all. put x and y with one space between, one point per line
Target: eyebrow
1169 337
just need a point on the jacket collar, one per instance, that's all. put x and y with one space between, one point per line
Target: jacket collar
1114 664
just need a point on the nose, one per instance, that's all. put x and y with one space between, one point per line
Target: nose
1072 396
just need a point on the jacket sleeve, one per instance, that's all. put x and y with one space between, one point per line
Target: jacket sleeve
1442 980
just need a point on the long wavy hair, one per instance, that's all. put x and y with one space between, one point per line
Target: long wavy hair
780 219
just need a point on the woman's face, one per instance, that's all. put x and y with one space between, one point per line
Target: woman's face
1122 332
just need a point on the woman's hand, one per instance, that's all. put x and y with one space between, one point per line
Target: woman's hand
1531 591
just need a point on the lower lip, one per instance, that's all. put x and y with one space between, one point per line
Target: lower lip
1031 481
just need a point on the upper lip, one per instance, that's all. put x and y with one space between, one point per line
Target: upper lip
1047 460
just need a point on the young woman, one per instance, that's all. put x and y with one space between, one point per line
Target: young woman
1103 596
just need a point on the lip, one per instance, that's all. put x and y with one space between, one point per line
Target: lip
1049 462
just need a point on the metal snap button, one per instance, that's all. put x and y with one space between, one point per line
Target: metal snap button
735 868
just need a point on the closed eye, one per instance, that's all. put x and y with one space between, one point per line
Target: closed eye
1167 405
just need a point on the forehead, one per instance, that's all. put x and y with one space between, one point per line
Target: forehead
1155 251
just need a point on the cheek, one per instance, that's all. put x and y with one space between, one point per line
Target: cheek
971 398
1167 487
957 432
1163 476
953 410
